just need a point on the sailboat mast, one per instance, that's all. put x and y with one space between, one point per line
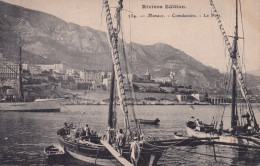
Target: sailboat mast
240 78
112 35
234 116
21 95
112 88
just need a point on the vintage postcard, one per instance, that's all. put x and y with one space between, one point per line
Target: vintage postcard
129 82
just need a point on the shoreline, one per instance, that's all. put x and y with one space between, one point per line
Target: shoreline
159 104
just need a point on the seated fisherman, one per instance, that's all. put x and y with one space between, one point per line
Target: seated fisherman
67 128
198 124
87 130
220 128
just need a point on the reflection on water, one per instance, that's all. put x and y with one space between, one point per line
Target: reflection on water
23 136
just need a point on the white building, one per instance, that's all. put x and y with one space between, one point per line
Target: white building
91 75
168 78
46 67
26 66
34 70
58 68
182 97
71 72
199 96
8 70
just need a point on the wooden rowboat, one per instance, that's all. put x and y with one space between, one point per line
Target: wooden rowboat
149 122
54 152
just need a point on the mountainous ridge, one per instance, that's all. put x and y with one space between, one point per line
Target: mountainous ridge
48 39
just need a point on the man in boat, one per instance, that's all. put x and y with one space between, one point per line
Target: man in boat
87 130
135 151
67 128
63 131
249 130
120 140
247 127
220 128
198 124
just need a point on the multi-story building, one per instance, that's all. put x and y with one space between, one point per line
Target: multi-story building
38 68
26 66
90 76
169 78
71 72
34 70
46 67
8 70
59 68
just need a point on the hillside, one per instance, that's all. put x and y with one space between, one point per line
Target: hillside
255 72
48 39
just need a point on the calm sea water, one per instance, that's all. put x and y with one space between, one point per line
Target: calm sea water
23 136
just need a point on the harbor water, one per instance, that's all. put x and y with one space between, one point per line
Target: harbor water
23 136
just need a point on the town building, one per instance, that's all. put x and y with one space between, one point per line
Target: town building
219 99
201 97
141 78
8 70
147 87
46 67
35 70
71 72
182 98
59 68
169 78
90 76
25 66
146 76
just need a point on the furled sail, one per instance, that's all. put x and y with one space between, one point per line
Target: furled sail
112 35
236 67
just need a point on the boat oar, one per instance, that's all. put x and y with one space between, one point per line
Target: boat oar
214 152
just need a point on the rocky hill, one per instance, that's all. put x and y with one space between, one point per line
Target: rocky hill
255 72
48 39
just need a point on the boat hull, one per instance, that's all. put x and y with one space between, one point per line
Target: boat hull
225 138
92 160
35 106
54 153
149 122
96 153
90 153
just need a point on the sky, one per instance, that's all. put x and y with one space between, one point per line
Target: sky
199 37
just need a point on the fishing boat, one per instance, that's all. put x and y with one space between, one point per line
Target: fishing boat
149 121
18 104
104 150
54 152
244 127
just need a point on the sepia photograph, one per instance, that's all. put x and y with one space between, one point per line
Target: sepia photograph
129 82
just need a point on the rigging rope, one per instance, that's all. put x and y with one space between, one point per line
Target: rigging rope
132 94
243 36
113 35
236 68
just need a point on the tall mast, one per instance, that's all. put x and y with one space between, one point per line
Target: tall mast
111 103
234 86
21 95
113 35
236 67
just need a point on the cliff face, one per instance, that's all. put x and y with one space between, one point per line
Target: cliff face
48 39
